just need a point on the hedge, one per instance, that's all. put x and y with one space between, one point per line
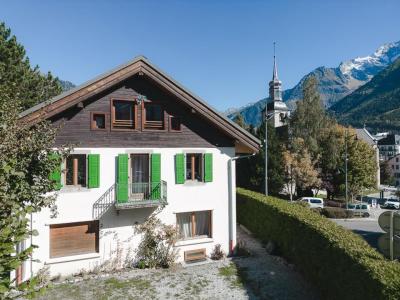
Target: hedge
336 261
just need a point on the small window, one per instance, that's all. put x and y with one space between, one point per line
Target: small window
153 116
194 163
194 224
123 114
174 123
98 121
74 239
76 170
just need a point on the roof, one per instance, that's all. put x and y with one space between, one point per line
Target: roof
364 135
390 139
245 141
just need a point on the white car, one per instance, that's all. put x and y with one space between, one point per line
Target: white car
313 202
391 203
362 209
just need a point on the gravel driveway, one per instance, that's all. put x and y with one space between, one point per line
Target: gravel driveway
259 276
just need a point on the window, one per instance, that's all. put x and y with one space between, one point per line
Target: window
74 238
194 224
98 121
397 159
194 163
397 167
76 170
123 113
174 123
153 116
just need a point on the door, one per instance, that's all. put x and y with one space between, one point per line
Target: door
140 165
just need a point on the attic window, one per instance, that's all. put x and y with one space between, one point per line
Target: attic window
98 121
123 113
153 116
174 123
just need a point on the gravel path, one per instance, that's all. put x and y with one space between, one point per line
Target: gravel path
259 276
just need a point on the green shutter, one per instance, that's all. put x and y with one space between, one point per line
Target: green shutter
122 178
208 167
55 176
180 168
155 176
94 170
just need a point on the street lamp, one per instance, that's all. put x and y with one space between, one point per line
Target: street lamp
345 164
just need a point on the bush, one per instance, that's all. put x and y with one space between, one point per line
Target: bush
217 253
337 213
340 263
156 249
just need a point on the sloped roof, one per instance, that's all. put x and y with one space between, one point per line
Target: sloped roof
363 134
245 142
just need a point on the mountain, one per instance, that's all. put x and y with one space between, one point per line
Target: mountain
376 104
334 83
66 85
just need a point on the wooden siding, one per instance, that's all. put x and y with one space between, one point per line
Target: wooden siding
195 130
74 238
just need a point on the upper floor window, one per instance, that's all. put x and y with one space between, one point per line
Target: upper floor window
194 163
153 116
123 114
98 121
76 170
174 123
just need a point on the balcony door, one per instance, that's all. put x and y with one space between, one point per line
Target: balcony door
140 170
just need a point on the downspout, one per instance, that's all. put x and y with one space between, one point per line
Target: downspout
232 201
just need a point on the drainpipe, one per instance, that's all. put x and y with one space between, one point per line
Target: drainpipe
232 201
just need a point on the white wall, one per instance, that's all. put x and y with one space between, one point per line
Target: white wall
117 228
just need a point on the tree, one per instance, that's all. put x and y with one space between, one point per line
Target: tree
299 168
251 172
30 86
240 121
310 120
386 175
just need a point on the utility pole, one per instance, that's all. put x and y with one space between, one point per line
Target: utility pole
345 165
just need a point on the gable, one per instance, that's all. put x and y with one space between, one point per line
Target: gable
101 86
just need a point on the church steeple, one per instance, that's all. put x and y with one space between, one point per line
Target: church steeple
275 105
275 85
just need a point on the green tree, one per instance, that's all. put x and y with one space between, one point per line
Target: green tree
310 120
240 121
386 176
27 83
251 172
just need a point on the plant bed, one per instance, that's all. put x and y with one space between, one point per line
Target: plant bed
337 213
333 258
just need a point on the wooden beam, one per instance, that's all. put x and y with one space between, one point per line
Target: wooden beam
75 171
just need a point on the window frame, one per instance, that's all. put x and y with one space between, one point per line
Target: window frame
143 116
66 172
193 225
135 114
170 124
193 162
92 122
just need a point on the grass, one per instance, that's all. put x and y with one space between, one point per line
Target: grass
235 276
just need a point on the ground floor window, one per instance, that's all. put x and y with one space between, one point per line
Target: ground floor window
76 170
74 238
194 224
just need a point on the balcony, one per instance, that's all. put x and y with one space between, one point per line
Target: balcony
138 195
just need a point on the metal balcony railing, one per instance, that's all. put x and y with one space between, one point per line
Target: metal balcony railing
146 194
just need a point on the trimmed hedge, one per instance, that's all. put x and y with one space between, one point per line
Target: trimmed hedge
335 260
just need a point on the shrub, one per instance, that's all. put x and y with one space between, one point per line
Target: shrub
337 213
241 249
156 249
217 253
340 263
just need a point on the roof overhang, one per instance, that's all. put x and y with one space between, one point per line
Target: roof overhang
244 141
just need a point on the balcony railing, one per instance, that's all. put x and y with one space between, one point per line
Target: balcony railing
135 195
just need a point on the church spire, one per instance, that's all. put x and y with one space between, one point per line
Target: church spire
275 71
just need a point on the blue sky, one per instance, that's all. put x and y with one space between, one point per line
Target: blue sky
220 50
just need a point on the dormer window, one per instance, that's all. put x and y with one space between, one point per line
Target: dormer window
153 116
123 113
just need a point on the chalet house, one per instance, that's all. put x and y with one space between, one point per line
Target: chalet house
142 143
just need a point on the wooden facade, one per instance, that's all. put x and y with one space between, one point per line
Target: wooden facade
77 123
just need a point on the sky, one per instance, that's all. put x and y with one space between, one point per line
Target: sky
220 50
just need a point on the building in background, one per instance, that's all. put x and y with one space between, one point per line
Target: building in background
389 146
394 168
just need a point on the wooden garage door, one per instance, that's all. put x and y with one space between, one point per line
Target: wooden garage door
74 238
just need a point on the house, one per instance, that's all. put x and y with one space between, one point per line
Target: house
394 168
389 146
364 135
143 144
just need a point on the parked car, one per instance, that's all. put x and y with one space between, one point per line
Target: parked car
313 202
391 203
362 209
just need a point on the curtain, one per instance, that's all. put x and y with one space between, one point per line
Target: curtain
202 223
140 173
185 225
